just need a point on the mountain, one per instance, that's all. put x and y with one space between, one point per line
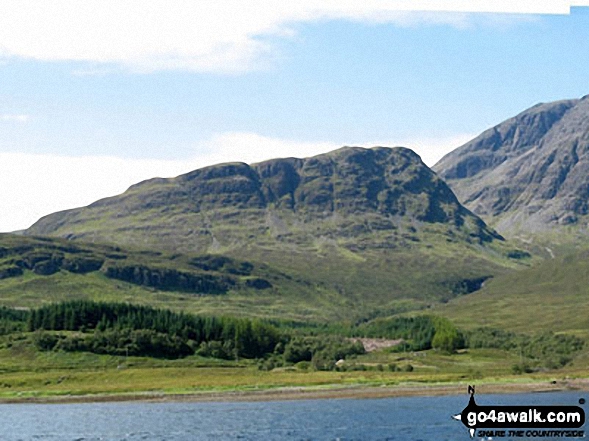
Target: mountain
529 173
367 231
361 198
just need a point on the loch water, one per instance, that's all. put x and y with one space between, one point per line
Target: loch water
405 418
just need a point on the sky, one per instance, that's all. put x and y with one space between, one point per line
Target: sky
101 94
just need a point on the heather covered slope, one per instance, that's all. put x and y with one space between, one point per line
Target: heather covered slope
528 174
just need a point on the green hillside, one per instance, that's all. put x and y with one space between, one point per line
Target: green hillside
347 235
331 285
553 295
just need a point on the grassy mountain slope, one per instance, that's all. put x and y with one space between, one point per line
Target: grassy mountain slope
553 295
328 286
36 270
360 232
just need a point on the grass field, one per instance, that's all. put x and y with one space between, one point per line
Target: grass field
26 373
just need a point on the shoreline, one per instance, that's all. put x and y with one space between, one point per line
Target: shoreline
311 393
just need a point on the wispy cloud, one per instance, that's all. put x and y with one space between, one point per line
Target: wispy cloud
13 117
209 36
33 185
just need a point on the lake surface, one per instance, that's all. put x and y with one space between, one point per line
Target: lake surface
411 418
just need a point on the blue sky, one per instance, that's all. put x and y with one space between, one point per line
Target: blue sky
94 99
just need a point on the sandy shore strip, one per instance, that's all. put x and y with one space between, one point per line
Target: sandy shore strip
313 393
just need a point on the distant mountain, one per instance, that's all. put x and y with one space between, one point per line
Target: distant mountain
361 198
529 173
366 232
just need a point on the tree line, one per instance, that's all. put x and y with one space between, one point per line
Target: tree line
128 329
118 326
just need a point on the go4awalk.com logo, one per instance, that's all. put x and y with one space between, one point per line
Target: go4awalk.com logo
522 421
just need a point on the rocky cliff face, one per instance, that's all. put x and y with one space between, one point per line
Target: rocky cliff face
529 173
365 197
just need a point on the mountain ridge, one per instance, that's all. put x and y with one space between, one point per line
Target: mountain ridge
528 173
386 186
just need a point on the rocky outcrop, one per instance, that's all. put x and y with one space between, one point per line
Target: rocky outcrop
529 173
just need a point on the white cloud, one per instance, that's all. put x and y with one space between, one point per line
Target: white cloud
33 185
251 147
208 35
13 117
